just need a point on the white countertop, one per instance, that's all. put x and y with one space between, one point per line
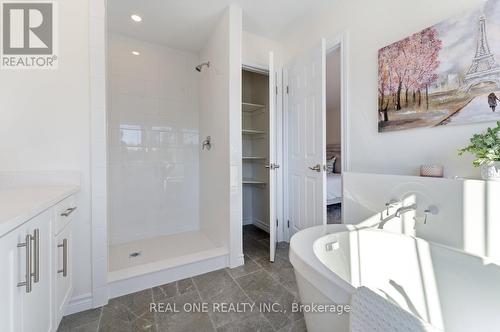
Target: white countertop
20 204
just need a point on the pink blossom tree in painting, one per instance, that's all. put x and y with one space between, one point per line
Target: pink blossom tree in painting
406 68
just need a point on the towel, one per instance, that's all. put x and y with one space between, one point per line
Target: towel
370 312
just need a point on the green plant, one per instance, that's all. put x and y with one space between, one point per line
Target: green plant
486 146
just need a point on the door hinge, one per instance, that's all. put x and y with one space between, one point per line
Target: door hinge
276 222
288 223
276 89
287 89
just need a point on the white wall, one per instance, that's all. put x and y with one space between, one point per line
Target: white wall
255 50
215 108
371 25
153 140
45 122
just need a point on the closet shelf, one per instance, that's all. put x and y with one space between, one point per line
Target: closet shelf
254 158
252 132
250 107
253 181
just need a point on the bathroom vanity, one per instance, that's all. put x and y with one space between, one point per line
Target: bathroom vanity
35 255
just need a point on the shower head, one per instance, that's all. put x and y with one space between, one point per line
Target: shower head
200 66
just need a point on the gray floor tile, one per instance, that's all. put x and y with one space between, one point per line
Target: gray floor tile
129 313
253 323
185 286
249 267
90 327
264 289
164 291
296 326
223 315
254 232
185 319
280 269
87 317
255 249
334 214
213 283
258 280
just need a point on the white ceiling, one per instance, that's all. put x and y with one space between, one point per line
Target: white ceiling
186 24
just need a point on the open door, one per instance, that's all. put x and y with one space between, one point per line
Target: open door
273 166
306 144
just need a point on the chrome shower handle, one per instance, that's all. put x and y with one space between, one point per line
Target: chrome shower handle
207 143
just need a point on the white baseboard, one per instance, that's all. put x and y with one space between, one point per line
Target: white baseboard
79 303
237 261
247 221
261 224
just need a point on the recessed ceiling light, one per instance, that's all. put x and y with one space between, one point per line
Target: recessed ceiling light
136 53
136 18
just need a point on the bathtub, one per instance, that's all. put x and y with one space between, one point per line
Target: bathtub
448 288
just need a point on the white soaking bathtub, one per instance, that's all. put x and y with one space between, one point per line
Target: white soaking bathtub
448 288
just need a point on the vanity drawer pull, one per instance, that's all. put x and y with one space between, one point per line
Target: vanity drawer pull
27 245
36 250
68 212
64 246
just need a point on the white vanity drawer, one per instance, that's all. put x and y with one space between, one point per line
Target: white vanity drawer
65 212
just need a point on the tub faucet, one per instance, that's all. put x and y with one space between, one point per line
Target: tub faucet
405 209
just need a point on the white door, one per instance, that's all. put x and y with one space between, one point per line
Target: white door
273 220
306 139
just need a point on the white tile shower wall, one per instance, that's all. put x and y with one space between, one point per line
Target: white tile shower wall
153 140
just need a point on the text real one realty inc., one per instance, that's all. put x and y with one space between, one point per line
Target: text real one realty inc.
228 307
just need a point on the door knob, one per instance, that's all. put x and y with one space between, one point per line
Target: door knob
316 168
272 166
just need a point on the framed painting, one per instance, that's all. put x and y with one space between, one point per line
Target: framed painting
447 74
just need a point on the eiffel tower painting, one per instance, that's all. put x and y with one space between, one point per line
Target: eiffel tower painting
446 74
484 67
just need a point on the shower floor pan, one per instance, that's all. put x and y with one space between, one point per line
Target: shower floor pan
155 261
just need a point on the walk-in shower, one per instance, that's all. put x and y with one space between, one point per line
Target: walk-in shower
168 197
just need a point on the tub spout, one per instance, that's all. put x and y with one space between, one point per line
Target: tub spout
405 209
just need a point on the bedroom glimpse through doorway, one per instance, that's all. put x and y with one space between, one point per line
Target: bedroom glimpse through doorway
333 131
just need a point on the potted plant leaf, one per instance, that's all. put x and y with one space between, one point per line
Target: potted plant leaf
486 148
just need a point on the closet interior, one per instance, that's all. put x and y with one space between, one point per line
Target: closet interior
255 153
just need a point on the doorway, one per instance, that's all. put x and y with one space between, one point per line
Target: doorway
333 137
310 157
259 153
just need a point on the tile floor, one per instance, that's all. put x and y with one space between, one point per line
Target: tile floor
334 214
258 281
